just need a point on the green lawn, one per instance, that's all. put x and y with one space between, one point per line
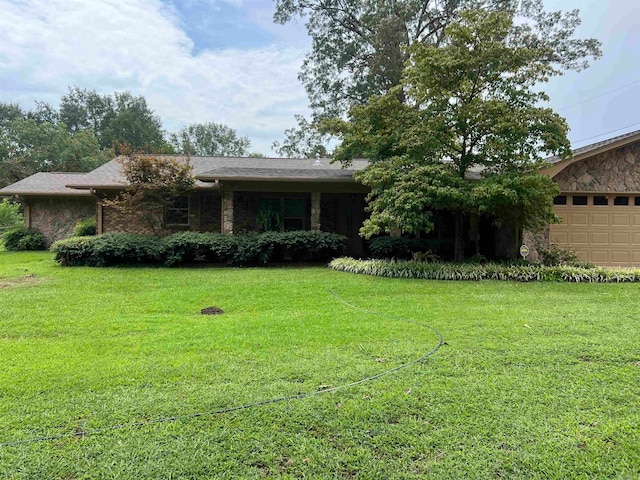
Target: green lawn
534 381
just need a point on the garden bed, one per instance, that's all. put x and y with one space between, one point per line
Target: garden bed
533 272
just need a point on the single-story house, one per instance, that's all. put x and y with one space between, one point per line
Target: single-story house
599 204
310 194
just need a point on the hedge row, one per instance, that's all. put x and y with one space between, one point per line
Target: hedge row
489 271
189 247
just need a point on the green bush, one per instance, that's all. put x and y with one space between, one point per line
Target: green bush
189 247
85 228
404 248
75 251
21 239
10 216
110 249
302 246
553 255
489 271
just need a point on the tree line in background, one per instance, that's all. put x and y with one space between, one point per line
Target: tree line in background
89 129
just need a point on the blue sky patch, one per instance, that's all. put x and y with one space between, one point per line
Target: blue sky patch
217 25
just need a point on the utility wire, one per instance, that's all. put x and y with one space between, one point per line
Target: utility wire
221 411
606 133
624 87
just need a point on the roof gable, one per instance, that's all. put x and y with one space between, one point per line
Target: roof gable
582 153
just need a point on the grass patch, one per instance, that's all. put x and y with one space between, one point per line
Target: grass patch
535 380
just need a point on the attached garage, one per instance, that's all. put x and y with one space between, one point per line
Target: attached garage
599 204
602 229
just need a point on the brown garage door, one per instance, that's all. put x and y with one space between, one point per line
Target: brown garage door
603 229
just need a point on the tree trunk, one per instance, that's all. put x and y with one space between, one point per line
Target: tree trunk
458 253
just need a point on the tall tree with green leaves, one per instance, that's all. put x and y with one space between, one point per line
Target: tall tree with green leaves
29 145
464 131
210 139
359 48
121 121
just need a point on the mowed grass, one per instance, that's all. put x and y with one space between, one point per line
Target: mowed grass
534 381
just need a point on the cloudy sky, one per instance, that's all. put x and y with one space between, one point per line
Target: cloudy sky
226 61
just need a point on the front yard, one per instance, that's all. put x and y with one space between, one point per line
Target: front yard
537 380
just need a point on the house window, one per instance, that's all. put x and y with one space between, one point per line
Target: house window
579 199
621 201
177 213
600 200
293 218
282 214
560 200
637 202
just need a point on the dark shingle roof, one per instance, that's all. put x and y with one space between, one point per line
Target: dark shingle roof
237 168
302 169
46 183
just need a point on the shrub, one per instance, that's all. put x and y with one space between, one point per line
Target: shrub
404 248
109 249
554 256
85 228
188 247
489 271
303 246
75 251
10 216
21 239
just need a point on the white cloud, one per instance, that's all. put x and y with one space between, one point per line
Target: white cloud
108 45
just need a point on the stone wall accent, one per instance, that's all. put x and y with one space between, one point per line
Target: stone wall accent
533 240
56 217
613 171
315 211
227 212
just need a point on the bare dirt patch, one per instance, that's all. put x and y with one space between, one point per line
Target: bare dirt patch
211 311
16 282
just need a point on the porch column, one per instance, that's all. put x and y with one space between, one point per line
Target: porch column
26 208
315 211
227 212
99 217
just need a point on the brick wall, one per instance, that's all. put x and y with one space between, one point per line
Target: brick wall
204 215
116 222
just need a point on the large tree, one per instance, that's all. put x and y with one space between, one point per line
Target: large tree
359 48
464 131
120 121
30 143
210 139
